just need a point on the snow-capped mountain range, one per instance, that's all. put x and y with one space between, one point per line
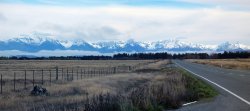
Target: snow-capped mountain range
36 44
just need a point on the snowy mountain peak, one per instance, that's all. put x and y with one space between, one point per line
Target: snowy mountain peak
109 44
227 46
66 44
33 38
34 43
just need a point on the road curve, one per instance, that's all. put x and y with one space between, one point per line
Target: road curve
233 86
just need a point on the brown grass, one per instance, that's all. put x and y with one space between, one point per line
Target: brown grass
66 93
226 63
9 67
141 90
47 64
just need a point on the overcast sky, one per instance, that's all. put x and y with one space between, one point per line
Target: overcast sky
198 21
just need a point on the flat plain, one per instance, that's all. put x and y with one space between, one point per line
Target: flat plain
98 85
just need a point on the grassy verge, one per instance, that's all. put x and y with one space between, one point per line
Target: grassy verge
170 91
197 88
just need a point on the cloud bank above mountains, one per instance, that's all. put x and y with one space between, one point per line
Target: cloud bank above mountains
211 24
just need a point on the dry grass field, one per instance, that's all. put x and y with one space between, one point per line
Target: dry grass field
29 64
44 71
152 86
226 63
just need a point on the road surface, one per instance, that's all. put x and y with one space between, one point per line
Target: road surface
233 86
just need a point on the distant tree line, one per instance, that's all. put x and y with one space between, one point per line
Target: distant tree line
141 56
224 55
58 58
165 55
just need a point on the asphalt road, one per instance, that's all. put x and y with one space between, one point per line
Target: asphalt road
233 86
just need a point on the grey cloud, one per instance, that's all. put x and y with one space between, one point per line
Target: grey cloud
83 31
109 30
100 33
143 24
2 17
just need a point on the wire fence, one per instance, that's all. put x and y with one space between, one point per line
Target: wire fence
17 80
20 79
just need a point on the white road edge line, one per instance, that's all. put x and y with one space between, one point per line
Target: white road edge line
242 99
189 103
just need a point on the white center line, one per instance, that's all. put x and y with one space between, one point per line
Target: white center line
242 99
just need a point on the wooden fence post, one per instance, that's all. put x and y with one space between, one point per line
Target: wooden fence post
62 73
107 70
99 71
111 70
50 76
114 70
25 79
56 72
88 72
77 74
14 81
42 76
84 72
33 81
81 74
67 74
1 83
72 74
93 72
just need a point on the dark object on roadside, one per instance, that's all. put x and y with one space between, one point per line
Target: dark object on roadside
39 91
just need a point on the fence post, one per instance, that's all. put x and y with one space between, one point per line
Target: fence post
99 71
91 72
1 83
114 70
88 72
72 74
110 70
25 79
50 76
107 70
81 74
84 72
14 81
62 73
67 74
56 72
42 76
77 74
33 81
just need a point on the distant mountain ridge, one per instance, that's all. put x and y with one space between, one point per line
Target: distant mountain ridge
35 44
